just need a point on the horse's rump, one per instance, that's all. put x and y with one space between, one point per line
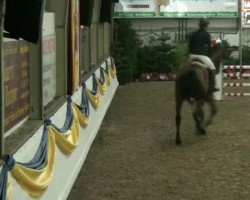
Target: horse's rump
192 81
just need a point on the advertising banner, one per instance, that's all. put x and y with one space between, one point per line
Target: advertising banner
246 13
16 82
49 57
177 8
49 68
246 4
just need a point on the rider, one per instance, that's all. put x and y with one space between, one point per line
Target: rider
199 47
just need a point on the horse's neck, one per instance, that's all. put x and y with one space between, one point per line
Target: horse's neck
217 55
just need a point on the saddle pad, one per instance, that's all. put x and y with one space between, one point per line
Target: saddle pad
199 64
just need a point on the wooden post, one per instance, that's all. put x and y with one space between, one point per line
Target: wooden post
2 11
218 81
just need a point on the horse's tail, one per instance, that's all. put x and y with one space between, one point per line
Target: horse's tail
192 86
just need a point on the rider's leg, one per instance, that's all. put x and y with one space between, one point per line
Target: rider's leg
212 82
211 71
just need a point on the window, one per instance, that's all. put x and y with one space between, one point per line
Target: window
100 43
49 58
106 39
84 51
34 85
35 74
94 45
16 82
94 33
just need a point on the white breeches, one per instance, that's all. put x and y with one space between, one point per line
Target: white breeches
205 59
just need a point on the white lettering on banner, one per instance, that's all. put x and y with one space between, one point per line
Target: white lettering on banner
177 8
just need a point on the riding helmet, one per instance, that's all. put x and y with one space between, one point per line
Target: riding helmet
203 22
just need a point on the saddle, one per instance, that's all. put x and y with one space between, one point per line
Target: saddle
211 75
198 61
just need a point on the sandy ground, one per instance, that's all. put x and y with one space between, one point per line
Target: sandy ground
134 155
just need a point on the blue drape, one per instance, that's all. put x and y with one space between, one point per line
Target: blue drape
84 106
9 163
69 118
94 86
39 159
102 77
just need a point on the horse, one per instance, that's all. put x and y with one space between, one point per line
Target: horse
192 84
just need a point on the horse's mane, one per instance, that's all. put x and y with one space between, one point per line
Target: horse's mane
217 55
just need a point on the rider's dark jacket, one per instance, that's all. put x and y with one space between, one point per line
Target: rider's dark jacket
199 43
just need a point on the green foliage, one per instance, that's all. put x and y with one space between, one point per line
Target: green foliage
160 55
157 56
245 55
180 55
229 59
124 49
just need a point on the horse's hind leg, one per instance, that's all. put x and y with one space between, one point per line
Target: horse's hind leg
198 116
213 110
179 102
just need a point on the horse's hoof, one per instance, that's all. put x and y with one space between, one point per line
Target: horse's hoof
209 122
201 131
215 111
178 142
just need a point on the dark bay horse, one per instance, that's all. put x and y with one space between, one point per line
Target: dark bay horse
192 84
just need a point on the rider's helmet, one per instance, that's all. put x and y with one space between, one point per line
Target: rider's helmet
203 23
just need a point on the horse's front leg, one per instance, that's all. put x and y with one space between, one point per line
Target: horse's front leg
198 116
179 102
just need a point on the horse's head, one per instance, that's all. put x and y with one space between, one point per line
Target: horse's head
217 55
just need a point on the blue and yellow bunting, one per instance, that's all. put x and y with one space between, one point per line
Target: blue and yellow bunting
34 176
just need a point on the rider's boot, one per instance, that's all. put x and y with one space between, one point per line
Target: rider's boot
212 81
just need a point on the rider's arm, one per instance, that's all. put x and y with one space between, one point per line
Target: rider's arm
208 40
190 43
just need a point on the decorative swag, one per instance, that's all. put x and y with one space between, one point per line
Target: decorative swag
35 175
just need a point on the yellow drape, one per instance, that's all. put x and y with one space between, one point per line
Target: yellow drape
113 72
35 182
83 120
102 87
95 100
108 77
9 188
68 141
